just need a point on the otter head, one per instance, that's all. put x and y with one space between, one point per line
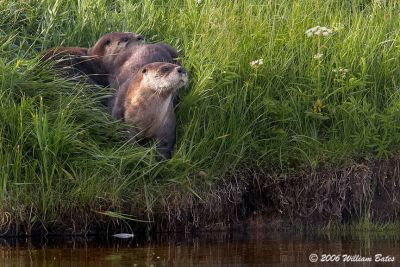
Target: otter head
163 78
111 44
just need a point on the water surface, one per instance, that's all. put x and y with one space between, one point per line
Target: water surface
205 249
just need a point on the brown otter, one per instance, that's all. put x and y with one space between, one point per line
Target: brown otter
147 104
89 61
127 63
74 61
133 57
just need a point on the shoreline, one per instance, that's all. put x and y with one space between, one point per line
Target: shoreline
311 199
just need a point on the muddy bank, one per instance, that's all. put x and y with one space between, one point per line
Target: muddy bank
313 198
250 199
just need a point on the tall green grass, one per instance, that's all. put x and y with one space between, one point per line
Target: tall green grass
60 150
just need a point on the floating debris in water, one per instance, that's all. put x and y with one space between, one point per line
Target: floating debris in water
123 235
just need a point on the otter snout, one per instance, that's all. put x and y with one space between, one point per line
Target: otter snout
183 74
140 38
180 70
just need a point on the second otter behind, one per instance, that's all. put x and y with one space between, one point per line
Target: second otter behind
90 61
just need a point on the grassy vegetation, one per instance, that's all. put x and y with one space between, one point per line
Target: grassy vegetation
61 153
366 226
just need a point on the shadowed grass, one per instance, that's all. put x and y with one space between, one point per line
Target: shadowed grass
60 150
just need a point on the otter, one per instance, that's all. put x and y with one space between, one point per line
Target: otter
147 104
127 63
89 61
75 61
133 57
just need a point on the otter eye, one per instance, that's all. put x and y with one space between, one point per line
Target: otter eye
144 70
164 70
108 42
123 40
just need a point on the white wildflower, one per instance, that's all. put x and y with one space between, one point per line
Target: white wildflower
318 56
256 63
198 2
342 72
310 31
319 31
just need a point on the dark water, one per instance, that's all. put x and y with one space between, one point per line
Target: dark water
209 249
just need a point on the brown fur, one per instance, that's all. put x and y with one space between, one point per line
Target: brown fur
100 49
126 64
75 61
89 61
147 104
135 56
56 53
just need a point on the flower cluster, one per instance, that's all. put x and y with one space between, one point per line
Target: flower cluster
342 72
256 63
318 56
319 31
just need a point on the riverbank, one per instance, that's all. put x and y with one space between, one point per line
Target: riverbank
281 118
363 196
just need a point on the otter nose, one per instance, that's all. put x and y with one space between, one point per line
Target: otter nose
180 70
140 38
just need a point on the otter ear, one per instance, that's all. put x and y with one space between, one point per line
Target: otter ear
108 42
144 70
